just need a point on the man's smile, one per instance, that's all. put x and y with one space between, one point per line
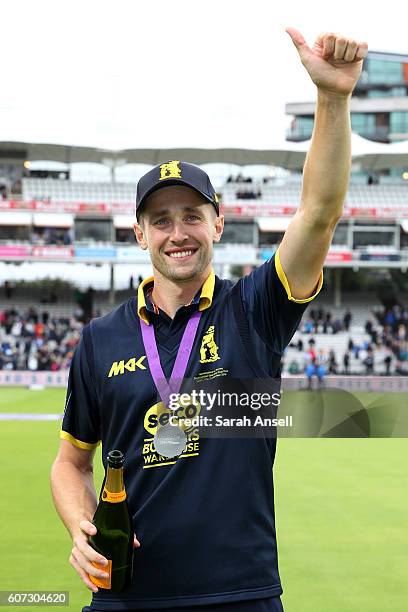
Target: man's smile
181 253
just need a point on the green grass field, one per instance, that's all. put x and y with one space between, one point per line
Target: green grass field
341 513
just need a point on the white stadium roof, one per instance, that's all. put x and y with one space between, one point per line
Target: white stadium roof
290 155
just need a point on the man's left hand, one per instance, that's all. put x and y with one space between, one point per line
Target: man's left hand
334 62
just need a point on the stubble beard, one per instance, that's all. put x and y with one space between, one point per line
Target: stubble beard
178 274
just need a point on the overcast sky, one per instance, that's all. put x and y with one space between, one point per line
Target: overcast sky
131 73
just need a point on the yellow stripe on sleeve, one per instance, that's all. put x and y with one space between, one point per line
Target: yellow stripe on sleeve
282 277
78 443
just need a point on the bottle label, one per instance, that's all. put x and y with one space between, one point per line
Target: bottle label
113 498
104 583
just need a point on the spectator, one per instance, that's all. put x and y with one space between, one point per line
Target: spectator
328 325
369 361
347 319
316 368
8 291
294 367
332 362
309 326
387 363
346 362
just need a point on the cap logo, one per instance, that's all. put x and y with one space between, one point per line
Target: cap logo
170 170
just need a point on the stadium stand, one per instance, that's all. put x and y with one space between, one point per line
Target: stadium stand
64 304
380 346
72 191
35 335
29 341
39 330
280 192
360 304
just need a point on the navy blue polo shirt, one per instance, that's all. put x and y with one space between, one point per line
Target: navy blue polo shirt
206 519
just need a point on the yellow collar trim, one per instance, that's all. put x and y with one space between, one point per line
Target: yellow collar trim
207 292
141 300
206 296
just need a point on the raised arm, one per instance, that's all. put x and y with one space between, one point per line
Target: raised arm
334 65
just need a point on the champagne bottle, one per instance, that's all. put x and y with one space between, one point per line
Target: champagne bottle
114 538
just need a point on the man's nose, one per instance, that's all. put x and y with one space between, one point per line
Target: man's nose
178 233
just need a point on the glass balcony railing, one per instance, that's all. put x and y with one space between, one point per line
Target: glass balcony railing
298 135
379 133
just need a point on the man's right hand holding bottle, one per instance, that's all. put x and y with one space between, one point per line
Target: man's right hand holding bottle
83 555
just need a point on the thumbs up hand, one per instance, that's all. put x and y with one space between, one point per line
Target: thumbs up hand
334 62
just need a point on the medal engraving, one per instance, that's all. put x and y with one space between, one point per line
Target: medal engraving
170 441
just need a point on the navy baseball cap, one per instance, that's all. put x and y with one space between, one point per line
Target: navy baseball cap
175 173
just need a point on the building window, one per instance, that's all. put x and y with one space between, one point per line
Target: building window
403 239
387 93
363 123
238 233
268 239
302 127
373 239
124 234
341 234
399 123
14 232
93 230
384 71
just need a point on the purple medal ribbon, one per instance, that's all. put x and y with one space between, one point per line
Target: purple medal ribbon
166 388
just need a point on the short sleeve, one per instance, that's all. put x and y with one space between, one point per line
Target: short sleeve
269 305
81 423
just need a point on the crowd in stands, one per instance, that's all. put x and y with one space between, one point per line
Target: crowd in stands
10 179
7 190
39 236
34 341
386 352
248 194
393 335
322 321
373 179
52 236
239 178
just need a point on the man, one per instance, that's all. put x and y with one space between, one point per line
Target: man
205 519
316 367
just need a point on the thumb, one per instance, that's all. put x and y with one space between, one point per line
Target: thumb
88 527
299 41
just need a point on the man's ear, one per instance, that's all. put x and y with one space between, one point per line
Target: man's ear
140 237
218 228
